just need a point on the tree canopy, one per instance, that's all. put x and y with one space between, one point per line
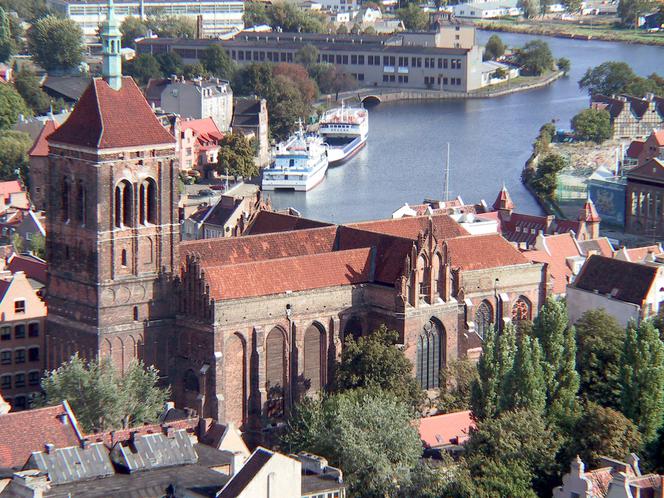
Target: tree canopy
592 125
609 78
236 156
218 63
413 17
101 397
368 432
14 147
373 361
12 106
172 26
283 15
142 68
494 48
27 85
7 46
535 58
545 179
56 44
132 28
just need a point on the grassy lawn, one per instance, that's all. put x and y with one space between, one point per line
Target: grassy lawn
600 29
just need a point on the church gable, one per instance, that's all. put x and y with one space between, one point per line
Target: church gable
653 170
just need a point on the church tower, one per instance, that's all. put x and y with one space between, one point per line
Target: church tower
112 223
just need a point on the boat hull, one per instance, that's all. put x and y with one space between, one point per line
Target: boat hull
300 185
338 155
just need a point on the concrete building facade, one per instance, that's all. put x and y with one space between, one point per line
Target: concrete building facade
200 99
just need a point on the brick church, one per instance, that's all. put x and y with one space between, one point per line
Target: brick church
242 327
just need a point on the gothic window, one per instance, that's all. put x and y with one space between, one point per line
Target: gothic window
66 190
424 275
123 257
275 370
148 202
313 355
124 208
430 355
191 381
235 372
483 318
521 310
80 202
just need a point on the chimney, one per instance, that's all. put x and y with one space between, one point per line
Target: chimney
49 448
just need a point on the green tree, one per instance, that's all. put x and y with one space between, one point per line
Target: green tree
38 245
172 26
102 398
56 44
592 124
374 362
27 84
331 80
599 344
236 156
7 45
524 387
456 381
557 337
564 65
413 17
545 179
572 6
639 87
170 63
131 29
535 58
142 68
18 243
630 10
12 106
494 48
609 78
307 56
523 443
256 14
642 378
218 63
14 147
344 429
531 8
602 431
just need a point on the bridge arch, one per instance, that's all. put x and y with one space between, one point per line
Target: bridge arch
371 100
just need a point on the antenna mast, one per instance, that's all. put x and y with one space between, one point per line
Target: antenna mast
446 194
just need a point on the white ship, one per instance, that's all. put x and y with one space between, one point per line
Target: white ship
299 163
345 130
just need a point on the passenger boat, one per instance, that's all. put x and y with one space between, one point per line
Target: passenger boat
299 163
345 130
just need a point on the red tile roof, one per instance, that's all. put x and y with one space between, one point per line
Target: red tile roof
40 147
450 428
271 222
205 129
410 227
557 249
589 213
8 188
659 137
21 433
233 250
635 148
105 118
276 276
639 254
503 201
34 268
477 252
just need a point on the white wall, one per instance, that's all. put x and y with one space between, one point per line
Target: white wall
280 477
579 301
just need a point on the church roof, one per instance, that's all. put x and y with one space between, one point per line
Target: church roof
410 227
40 147
107 119
479 252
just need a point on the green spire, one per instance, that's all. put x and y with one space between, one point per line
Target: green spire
111 39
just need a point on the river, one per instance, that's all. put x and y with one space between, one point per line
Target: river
490 139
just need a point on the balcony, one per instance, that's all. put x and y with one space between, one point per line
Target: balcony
403 70
388 69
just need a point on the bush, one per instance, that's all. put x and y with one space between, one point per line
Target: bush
592 124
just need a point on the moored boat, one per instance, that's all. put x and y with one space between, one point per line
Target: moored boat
345 130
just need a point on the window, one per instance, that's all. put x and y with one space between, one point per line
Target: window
360 77
19 356
19 403
33 354
353 59
19 331
19 306
33 329
6 382
521 310
135 313
483 318
430 356
5 333
80 203
33 378
360 59
123 257
19 380
403 79
64 202
5 358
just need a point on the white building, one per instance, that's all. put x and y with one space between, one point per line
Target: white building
339 5
486 10
219 16
200 99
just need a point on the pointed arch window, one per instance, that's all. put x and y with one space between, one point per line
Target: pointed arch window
430 356
275 372
423 270
483 318
521 310
148 202
65 194
81 200
124 204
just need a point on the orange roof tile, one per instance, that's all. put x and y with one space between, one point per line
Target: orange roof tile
270 222
276 276
477 252
450 428
639 254
40 147
409 227
105 119
21 433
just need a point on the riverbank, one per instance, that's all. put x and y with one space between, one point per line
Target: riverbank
601 32
380 95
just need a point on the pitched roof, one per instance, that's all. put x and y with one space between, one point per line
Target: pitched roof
277 276
556 251
21 433
271 222
410 227
105 118
251 467
635 148
40 147
233 250
205 129
442 430
589 213
503 200
9 187
639 254
622 280
32 266
600 246
477 252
